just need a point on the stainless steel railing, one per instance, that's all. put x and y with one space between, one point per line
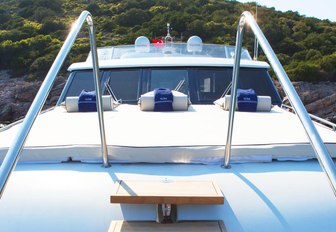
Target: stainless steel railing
15 149
322 121
320 149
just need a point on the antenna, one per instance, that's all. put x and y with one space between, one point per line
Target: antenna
168 37
168 29
256 44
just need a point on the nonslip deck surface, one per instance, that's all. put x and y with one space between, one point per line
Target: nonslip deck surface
167 192
191 226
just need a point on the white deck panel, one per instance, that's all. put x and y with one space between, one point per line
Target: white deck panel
277 196
196 136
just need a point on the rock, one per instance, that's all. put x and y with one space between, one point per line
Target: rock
26 91
321 104
318 98
4 76
6 113
17 94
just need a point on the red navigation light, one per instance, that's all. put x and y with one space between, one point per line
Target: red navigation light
158 43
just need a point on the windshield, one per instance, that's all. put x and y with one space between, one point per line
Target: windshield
172 50
203 85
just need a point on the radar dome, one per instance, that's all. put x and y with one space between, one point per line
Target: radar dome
194 44
142 44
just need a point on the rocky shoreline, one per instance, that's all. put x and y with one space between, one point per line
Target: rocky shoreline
16 95
318 98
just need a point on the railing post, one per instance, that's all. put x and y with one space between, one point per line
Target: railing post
98 93
233 100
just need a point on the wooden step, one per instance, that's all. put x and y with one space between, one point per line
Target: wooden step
167 192
187 226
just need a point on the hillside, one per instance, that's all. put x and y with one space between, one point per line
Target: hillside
32 32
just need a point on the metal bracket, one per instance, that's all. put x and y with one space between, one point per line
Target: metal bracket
166 213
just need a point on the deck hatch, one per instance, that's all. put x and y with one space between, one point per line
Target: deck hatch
167 192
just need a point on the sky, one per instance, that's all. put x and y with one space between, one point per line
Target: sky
321 9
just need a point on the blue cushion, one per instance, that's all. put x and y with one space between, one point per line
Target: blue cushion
163 100
247 100
87 101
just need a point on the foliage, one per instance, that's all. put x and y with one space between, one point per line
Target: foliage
32 32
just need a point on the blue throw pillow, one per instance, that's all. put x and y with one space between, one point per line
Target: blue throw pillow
247 100
87 101
163 100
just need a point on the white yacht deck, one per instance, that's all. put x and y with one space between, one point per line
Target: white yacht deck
277 196
194 136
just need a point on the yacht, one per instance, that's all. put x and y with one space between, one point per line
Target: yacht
168 136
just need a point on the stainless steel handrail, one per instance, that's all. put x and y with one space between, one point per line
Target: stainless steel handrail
233 100
320 149
316 118
15 149
99 99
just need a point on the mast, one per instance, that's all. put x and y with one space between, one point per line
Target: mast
168 37
255 55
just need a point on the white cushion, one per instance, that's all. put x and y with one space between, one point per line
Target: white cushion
71 103
180 101
264 103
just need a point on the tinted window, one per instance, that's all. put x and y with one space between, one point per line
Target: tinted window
259 80
171 79
125 84
81 80
210 84
203 85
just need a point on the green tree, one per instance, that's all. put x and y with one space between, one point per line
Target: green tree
132 17
31 30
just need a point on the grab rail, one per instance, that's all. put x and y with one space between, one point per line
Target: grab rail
322 121
320 149
15 149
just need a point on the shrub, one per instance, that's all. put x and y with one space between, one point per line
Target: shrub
305 72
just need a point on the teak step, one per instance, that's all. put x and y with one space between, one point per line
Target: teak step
191 226
167 192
